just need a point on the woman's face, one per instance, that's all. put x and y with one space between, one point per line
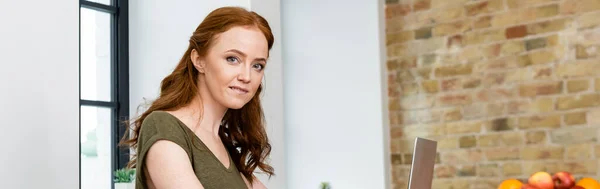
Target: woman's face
233 67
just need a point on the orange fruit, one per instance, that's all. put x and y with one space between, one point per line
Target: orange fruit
588 183
511 184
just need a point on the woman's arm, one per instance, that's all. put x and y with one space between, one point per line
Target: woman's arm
169 167
256 185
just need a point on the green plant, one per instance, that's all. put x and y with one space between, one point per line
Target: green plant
325 185
124 175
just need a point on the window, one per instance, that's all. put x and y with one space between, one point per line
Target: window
103 90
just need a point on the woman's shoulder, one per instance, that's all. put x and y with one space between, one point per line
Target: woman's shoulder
161 122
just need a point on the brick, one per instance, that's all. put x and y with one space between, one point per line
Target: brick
406 62
488 170
542 153
546 26
454 99
597 84
573 135
543 73
512 169
453 115
512 18
536 43
496 109
500 64
521 75
482 22
531 167
416 102
462 156
401 145
538 89
588 20
518 106
444 15
470 55
547 11
396 10
407 159
512 47
396 159
423 33
577 118
443 3
474 111
444 171
451 84
484 183
463 127
466 171
429 116
455 70
471 83
420 5
390 2
446 143
516 32
586 51
450 184
580 167
399 37
484 7
467 142
514 4
579 6
535 137
403 76
541 105
409 88
578 69
538 57
593 118
500 139
455 41
430 86
412 131
579 151
574 86
479 37
578 101
502 153
424 73
395 24
496 94
548 121
494 78
427 60
452 28
502 124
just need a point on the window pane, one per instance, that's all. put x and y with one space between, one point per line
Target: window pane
106 2
95 55
96 147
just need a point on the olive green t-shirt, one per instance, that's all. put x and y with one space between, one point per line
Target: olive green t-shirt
160 125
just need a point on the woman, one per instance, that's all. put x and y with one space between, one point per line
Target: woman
206 129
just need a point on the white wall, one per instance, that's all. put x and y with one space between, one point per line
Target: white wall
39 99
159 33
333 93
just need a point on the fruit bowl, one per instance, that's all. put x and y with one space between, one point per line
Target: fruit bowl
545 180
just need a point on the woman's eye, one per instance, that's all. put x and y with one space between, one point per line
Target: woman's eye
232 59
259 66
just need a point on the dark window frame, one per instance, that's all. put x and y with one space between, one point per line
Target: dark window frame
119 105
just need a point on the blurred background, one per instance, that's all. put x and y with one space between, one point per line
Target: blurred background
508 88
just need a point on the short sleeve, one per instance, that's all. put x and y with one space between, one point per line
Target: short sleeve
158 126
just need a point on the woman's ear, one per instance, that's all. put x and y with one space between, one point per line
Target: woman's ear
198 62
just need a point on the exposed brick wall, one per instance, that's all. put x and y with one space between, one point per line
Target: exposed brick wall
506 87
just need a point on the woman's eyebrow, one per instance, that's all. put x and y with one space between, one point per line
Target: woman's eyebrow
244 55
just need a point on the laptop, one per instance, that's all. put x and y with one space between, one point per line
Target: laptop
423 161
